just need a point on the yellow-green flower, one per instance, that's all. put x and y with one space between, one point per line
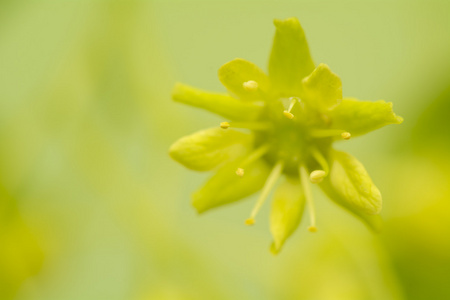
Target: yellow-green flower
286 124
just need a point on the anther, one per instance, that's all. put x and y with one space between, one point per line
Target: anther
249 221
224 125
346 135
312 229
287 113
240 172
250 86
317 176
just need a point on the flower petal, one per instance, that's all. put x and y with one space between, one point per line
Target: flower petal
286 213
373 221
360 117
220 104
233 74
322 89
350 185
207 149
290 60
226 187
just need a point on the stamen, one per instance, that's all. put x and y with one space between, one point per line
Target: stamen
309 199
324 133
287 113
246 125
250 86
249 221
320 159
346 135
312 229
240 172
317 176
268 185
255 155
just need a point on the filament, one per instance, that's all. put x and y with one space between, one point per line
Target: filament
255 155
246 125
324 133
320 159
268 185
309 200
287 113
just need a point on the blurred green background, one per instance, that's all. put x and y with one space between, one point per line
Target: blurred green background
91 206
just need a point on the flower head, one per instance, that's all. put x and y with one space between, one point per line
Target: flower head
282 125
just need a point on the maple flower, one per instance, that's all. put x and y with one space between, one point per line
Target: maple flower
282 125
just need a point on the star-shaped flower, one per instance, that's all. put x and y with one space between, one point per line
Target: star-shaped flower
282 124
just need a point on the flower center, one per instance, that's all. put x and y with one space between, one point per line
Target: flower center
290 137
292 141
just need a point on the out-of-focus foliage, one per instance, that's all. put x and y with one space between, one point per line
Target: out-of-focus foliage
431 131
421 213
20 255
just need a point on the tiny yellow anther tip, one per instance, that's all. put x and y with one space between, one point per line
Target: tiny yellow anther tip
346 135
224 125
249 221
312 229
250 85
240 172
317 176
288 115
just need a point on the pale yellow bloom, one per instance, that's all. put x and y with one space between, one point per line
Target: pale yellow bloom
282 125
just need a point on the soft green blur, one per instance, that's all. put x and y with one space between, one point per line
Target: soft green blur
92 207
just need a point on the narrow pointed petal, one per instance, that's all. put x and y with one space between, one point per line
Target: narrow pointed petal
349 185
207 149
360 117
287 211
322 89
226 187
290 60
235 73
221 104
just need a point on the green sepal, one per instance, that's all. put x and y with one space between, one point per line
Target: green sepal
221 104
207 149
322 89
226 187
360 117
290 59
233 74
286 213
349 185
